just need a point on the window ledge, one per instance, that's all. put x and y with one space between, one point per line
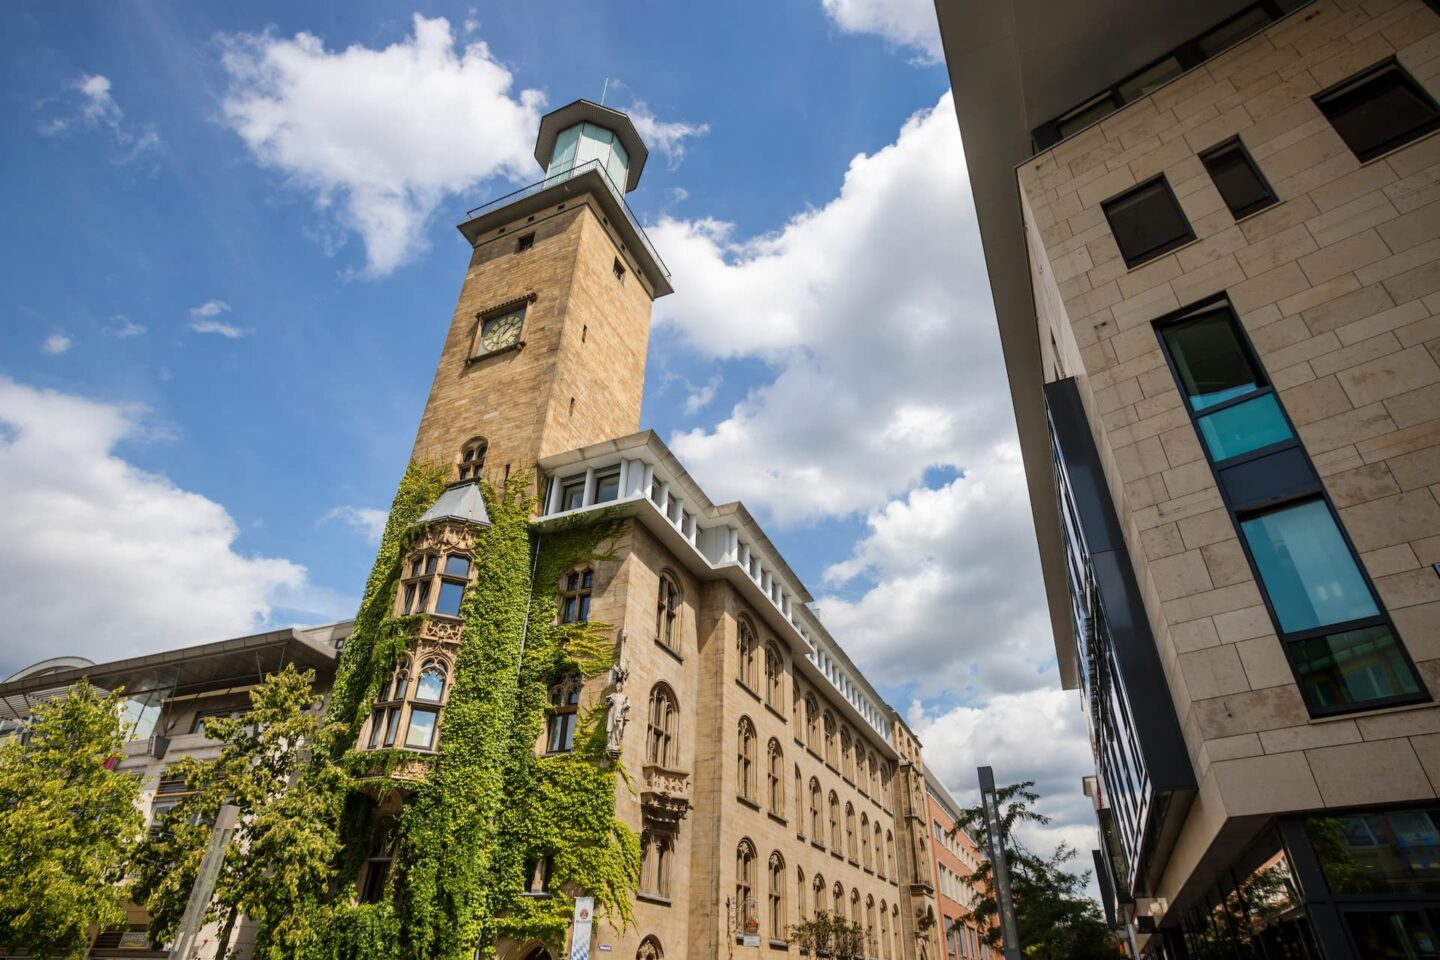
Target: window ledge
670 650
779 819
1374 711
654 898
838 855
1391 152
746 687
748 802
777 713
779 944
817 844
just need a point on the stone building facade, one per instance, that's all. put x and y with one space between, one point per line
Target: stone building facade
1227 376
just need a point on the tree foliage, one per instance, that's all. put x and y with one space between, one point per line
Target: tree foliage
68 823
275 766
1055 919
829 935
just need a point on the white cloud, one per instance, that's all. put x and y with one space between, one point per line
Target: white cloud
367 521
106 560
227 330
908 23
382 135
666 136
56 344
122 327
700 397
210 308
90 105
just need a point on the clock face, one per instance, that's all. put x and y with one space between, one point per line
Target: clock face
500 332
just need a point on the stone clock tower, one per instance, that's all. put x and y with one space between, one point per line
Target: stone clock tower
546 350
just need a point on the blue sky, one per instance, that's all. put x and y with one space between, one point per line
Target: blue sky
231 258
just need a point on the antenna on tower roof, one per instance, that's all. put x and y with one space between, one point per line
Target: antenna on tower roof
603 90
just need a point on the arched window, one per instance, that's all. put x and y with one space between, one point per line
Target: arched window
776 915
650 950
801 892
890 853
797 719
429 689
429 578
662 727
745 647
847 758
744 887
774 676
885 784
472 459
575 595
389 708
818 889
799 803
817 828
834 822
745 760
812 723
884 932
775 772
667 611
895 930
564 709
837 900
656 852
865 841
870 944
384 838
855 908
879 851
875 778
851 850
830 757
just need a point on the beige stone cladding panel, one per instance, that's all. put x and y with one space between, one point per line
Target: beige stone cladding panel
1338 286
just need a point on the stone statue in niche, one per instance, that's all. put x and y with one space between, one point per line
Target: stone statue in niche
616 716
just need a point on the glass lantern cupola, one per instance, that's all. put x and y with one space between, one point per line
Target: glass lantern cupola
585 136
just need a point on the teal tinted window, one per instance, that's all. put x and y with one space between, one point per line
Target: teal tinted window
1212 362
1244 427
1353 667
1307 568
563 156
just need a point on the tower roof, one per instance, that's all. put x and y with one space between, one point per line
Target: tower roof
461 501
586 111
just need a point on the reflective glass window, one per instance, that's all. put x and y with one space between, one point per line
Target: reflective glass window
1398 934
1353 667
1213 364
1244 427
607 486
1308 570
1082 116
1147 221
457 566
1233 31
1379 852
451 593
1151 78
1379 110
421 732
1241 185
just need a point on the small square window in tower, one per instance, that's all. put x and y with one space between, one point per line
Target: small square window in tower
619 269
525 243
1238 179
1147 221
1379 109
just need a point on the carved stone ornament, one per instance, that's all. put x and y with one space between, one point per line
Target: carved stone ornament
664 794
441 631
617 715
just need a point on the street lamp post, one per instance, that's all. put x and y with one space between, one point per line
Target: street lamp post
999 868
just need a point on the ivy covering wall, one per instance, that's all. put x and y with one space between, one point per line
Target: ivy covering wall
489 806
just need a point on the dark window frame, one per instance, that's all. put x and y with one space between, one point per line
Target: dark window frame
1356 82
1313 490
1153 253
1237 145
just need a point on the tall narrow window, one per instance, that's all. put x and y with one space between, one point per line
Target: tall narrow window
1241 185
837 900
425 708
1340 643
384 838
865 860
847 755
564 708
817 824
745 886
572 493
656 852
667 610
453 581
575 598
812 723
801 910
870 942
851 848
817 887
890 854
835 838
607 485
746 654
774 676
745 760
472 459
1147 221
830 755
884 932
389 708
661 728
776 917
775 774
799 803
1379 109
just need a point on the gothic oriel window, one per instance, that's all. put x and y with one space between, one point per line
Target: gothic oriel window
774 676
667 611
657 850
389 708
745 647
662 727
745 760
429 579
425 704
472 459
745 886
775 772
564 710
575 595
776 914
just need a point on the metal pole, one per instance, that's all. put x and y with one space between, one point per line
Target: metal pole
194 917
999 869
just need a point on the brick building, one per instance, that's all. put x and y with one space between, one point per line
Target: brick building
1213 238
956 856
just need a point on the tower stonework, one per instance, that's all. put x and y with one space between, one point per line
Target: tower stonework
568 254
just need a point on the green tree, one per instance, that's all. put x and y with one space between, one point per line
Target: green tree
275 765
68 823
1056 920
829 935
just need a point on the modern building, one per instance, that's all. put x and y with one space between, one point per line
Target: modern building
957 856
761 765
1213 238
